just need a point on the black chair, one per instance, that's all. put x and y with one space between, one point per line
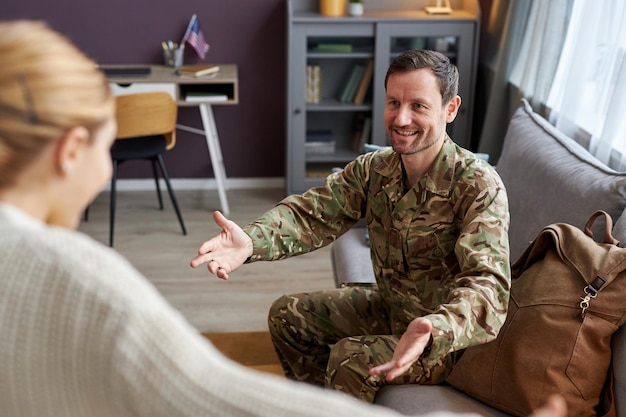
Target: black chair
146 128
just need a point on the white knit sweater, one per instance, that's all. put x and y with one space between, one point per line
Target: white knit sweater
82 333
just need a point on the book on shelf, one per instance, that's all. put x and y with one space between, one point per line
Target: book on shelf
313 83
361 133
319 142
197 70
357 128
319 135
348 89
364 83
354 83
320 148
205 96
334 47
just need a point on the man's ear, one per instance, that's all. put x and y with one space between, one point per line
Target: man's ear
452 108
69 149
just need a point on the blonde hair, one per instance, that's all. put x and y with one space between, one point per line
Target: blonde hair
47 86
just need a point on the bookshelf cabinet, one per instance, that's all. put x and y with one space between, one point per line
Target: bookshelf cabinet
337 45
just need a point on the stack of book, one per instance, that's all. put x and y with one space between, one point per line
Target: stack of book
205 96
313 83
356 83
320 142
337 47
200 70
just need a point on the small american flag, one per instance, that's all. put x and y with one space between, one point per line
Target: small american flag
195 38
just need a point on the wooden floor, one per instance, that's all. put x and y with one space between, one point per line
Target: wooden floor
152 240
251 349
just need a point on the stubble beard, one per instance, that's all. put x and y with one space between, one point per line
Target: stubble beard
412 148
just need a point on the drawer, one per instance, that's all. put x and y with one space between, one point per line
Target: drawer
122 89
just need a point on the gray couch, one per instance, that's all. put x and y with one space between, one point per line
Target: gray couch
549 179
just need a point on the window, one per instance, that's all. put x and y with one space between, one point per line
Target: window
587 98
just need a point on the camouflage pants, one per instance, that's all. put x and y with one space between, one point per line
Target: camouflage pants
332 338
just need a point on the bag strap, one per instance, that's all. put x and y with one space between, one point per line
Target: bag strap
608 227
607 273
608 269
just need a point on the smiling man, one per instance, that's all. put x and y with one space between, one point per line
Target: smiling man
438 222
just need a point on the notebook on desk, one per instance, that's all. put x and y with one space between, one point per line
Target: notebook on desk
126 72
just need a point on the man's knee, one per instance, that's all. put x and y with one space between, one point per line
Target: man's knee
348 369
279 306
277 316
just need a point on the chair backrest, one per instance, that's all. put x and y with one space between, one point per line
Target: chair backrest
146 114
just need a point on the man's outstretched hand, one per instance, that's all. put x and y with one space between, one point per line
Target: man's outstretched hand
409 349
225 252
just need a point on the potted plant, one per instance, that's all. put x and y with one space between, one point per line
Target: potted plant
355 8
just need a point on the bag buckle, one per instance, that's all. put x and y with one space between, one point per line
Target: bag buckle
591 292
584 302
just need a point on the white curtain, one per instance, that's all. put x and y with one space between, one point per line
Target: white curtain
588 95
530 36
539 56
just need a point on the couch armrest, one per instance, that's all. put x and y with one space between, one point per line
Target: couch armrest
350 257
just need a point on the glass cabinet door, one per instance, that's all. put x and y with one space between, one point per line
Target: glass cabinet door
333 99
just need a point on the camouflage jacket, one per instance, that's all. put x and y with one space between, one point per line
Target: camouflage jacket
439 249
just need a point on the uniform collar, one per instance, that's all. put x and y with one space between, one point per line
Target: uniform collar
438 178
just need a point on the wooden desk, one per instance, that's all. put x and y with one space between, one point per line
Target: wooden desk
162 78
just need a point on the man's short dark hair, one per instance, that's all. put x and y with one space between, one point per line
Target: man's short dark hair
438 63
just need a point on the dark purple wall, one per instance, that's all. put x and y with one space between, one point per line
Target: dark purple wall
249 33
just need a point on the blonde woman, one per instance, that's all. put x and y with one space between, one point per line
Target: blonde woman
82 332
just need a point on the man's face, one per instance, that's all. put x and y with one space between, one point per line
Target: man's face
415 117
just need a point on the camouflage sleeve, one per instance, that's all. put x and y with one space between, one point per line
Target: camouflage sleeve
302 223
476 308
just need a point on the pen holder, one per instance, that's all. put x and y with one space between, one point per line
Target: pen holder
173 57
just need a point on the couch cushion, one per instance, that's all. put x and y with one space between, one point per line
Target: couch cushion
433 400
550 179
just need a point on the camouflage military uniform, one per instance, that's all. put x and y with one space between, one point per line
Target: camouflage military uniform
439 250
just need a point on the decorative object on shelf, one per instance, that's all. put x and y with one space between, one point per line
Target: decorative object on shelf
355 8
173 54
194 37
333 8
442 7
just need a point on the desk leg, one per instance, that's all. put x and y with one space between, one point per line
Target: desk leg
215 152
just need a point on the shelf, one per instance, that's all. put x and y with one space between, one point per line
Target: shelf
335 55
382 33
340 155
331 104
